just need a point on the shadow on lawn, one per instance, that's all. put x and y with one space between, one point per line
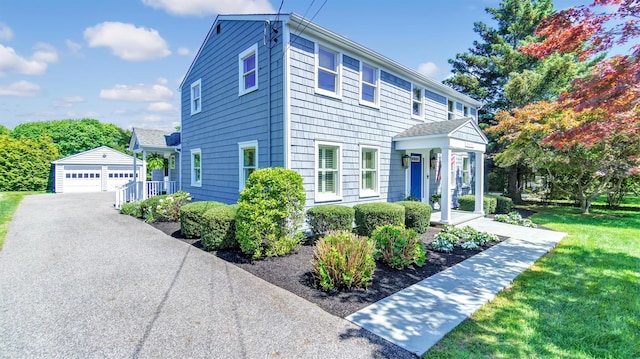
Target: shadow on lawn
575 301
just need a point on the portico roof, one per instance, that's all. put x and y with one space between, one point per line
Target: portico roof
458 134
143 139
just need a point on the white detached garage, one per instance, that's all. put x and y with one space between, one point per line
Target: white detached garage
98 170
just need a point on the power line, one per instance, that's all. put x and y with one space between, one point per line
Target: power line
308 21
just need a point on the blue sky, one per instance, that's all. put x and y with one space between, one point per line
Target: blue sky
121 61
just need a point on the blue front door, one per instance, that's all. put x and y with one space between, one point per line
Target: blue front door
416 176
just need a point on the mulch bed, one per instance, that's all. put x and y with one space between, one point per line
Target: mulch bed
293 272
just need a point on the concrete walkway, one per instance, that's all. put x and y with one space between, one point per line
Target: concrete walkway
417 317
78 280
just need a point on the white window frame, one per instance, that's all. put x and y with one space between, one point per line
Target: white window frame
241 147
253 50
466 171
337 73
196 107
194 182
376 85
420 115
337 196
451 110
376 190
465 111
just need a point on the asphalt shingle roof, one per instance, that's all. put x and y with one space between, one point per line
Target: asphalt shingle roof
433 128
156 138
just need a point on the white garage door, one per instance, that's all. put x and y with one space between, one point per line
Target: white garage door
118 176
82 179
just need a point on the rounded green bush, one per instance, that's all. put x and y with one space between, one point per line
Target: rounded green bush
330 217
218 228
270 212
399 247
343 260
468 203
417 215
369 216
504 205
191 217
131 209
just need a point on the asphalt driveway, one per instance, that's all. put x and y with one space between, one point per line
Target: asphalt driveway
79 280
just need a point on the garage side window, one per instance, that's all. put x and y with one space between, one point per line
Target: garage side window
196 167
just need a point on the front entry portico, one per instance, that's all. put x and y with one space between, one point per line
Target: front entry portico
450 137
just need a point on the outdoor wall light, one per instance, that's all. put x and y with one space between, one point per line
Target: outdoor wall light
406 161
434 162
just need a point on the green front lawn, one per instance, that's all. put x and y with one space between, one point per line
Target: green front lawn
9 202
582 300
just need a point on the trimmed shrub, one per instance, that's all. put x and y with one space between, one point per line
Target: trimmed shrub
503 205
149 207
219 228
330 217
131 209
270 212
398 247
417 215
369 216
169 208
468 203
191 217
343 260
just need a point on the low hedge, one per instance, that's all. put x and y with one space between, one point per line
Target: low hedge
504 205
369 216
131 209
149 207
468 203
191 217
219 228
417 215
330 217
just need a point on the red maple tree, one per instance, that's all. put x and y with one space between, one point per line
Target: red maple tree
613 86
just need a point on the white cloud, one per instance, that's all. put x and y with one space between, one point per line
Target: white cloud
88 114
137 93
73 47
184 51
162 81
208 7
160 107
68 101
20 89
10 61
428 69
152 118
45 53
5 32
127 41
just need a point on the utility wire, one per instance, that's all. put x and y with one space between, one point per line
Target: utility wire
309 21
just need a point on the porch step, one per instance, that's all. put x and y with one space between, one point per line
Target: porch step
457 217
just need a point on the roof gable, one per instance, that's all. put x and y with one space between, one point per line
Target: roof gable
98 155
464 129
155 139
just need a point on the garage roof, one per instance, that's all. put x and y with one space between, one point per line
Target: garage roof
101 155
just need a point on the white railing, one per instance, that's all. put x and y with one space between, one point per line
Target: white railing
133 191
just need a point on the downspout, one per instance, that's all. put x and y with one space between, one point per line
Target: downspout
267 27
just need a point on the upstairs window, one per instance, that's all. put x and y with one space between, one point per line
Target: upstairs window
416 102
369 85
248 70
196 97
328 72
451 106
465 111
248 152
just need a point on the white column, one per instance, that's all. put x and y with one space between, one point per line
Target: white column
479 178
135 178
445 185
144 175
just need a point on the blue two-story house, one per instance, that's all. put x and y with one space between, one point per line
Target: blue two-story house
267 91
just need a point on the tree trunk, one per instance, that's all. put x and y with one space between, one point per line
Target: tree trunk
585 204
514 187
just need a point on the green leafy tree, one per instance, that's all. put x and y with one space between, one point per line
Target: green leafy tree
74 136
25 164
4 131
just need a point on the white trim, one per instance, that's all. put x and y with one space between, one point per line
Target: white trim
419 116
287 96
376 85
253 50
241 146
198 84
319 197
376 191
337 73
194 183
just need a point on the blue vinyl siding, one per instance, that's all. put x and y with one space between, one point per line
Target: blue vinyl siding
350 63
227 118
